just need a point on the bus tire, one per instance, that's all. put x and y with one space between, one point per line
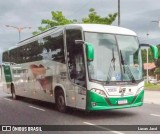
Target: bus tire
14 96
60 101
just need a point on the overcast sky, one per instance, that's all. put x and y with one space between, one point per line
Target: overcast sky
136 15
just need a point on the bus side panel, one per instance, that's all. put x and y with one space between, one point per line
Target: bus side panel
45 75
50 75
38 79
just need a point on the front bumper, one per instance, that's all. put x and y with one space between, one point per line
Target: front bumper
96 102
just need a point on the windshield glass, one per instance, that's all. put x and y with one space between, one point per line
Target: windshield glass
130 57
111 64
105 66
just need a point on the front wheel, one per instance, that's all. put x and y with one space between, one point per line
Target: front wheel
60 101
14 96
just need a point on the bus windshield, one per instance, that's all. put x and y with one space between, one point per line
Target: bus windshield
116 57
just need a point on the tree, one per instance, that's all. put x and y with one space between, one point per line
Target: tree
97 19
157 71
59 19
144 55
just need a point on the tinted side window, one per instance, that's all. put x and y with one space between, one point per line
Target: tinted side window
48 48
53 47
12 56
32 52
75 57
5 57
20 55
71 36
28 53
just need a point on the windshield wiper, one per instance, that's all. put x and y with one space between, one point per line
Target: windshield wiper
113 59
122 61
127 69
111 67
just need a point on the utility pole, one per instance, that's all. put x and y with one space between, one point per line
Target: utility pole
147 48
147 59
119 13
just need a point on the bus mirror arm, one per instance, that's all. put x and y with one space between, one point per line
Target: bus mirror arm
144 45
89 49
79 42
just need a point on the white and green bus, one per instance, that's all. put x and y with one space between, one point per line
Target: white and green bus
85 66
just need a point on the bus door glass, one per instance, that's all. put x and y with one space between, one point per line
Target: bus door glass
76 66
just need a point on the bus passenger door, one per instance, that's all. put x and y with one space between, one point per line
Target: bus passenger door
76 68
79 77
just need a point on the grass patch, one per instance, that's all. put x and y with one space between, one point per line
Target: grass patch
150 86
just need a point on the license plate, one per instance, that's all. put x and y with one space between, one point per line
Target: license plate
122 102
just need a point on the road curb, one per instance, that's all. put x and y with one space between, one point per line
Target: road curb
147 102
152 89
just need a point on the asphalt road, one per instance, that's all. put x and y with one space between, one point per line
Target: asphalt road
30 112
152 97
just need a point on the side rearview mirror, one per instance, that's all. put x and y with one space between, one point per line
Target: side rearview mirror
154 50
89 49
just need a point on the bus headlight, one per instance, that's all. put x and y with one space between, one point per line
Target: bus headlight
139 90
100 92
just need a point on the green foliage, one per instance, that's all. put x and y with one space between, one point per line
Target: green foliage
144 55
150 55
97 19
151 86
157 71
41 29
59 19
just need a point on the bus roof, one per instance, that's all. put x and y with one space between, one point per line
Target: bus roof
100 28
103 29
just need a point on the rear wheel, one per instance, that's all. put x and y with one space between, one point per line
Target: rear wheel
14 96
60 101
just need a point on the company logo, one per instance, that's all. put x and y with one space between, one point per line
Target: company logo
6 128
122 91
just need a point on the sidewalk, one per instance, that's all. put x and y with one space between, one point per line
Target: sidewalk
152 97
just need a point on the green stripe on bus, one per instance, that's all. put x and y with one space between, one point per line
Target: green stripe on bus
97 102
7 73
